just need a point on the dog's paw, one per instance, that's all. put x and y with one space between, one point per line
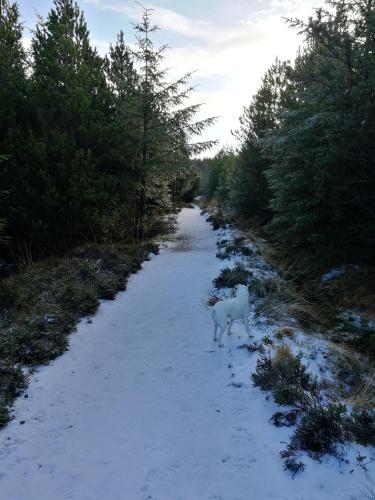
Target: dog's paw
221 345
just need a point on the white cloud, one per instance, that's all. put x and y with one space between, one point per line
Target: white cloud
230 57
26 42
235 58
167 19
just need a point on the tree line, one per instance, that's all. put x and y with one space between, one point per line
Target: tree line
91 148
305 167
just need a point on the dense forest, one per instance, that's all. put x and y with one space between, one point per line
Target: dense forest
92 148
305 164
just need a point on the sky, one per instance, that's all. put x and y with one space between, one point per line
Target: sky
229 44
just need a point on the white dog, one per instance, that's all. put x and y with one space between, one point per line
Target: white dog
231 309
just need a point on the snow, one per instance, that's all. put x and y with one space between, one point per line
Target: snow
145 406
338 272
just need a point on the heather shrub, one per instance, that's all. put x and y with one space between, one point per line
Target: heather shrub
229 278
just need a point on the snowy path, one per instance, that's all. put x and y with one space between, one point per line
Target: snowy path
140 408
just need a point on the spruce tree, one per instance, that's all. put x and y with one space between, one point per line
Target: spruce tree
72 109
323 155
123 143
250 190
167 125
13 117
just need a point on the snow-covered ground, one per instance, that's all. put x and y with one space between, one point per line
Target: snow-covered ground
145 406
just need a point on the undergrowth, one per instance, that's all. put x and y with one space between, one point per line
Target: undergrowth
237 246
42 304
321 425
229 278
218 219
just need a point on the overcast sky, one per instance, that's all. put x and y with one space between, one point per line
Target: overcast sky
230 43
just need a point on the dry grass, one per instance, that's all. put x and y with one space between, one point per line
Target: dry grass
363 397
355 376
285 332
283 354
41 306
281 300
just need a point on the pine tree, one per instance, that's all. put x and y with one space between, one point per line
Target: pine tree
323 155
72 110
13 113
123 144
250 190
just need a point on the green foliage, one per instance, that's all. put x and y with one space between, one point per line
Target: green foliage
361 426
286 378
97 148
166 124
216 173
321 175
320 430
235 247
229 278
218 219
306 141
12 383
250 193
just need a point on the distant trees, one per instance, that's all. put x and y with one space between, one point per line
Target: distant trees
219 174
94 147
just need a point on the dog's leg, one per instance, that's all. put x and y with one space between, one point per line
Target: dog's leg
230 326
215 331
247 325
220 336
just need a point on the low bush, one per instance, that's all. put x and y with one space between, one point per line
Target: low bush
218 220
286 378
254 347
291 461
320 429
360 426
213 298
229 278
237 246
285 418
285 331
321 426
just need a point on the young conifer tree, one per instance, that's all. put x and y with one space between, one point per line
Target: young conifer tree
13 111
71 115
167 127
122 161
